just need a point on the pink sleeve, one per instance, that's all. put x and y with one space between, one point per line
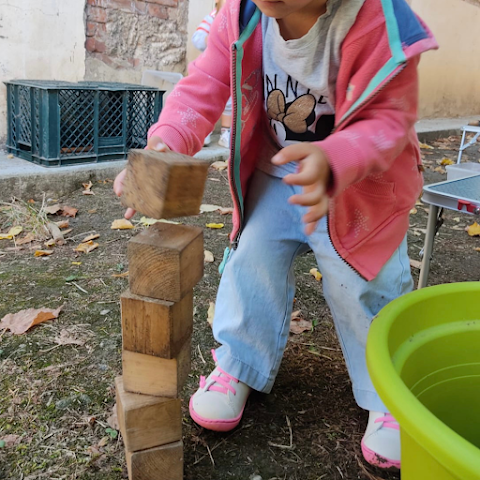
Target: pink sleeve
379 133
198 100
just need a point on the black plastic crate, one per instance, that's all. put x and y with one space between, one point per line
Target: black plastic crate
56 123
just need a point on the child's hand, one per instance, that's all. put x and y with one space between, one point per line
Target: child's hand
314 174
154 143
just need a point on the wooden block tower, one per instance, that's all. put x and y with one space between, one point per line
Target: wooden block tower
165 263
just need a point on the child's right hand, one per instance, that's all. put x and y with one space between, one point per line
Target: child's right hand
154 143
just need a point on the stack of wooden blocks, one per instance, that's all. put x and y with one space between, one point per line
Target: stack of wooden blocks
165 263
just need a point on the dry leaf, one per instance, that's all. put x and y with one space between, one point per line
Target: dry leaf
413 211
50 243
43 253
13 232
56 233
63 224
53 209
122 224
211 313
477 249
93 236
11 440
22 321
66 232
206 208
215 225
120 275
94 210
298 324
415 264
69 212
219 165
208 257
147 222
76 263
315 273
28 238
88 188
439 170
473 230
87 247
447 161
425 146
103 441
226 211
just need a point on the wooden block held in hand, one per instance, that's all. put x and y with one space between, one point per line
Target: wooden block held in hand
164 184
156 327
165 261
161 463
146 421
156 376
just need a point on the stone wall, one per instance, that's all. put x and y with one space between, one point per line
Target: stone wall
125 37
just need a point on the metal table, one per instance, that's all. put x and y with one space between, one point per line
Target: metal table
462 195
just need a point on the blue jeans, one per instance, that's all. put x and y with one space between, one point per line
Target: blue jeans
257 288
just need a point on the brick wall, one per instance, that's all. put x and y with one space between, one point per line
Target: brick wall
136 34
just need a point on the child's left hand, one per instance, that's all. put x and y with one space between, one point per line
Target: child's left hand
314 174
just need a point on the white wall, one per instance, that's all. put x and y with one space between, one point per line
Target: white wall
40 39
197 10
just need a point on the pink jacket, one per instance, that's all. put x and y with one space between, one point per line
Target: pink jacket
373 150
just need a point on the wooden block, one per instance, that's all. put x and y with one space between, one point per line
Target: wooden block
164 184
156 376
155 327
146 421
165 261
161 463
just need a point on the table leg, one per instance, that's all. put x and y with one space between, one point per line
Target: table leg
428 247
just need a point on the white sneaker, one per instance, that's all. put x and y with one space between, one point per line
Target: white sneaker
219 402
224 138
208 140
381 442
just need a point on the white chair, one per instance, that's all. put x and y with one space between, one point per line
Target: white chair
467 129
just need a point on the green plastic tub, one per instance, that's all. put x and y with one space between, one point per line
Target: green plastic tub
423 355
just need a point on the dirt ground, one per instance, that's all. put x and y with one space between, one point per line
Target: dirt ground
56 380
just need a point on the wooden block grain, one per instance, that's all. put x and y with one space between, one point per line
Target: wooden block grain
164 184
146 421
161 463
160 377
156 327
165 261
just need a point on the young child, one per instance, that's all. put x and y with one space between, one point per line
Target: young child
324 105
200 40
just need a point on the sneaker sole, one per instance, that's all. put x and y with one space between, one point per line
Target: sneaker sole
377 460
215 425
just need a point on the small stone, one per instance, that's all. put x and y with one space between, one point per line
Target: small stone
104 312
255 477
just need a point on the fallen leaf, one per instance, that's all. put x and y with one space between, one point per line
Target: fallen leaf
31 201
413 211
50 243
219 165
93 236
415 264
226 211
87 247
298 324
103 441
63 224
455 219
215 225
211 313
206 208
66 232
315 273
28 238
65 338
120 275
43 253
477 249
113 419
208 257
439 170
88 188
147 222
69 211
447 161
94 210
122 224
23 320
76 263
10 440
10 156
56 233
13 232
53 209
473 230
425 146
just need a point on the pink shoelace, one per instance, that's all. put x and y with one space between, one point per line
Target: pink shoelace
388 421
221 381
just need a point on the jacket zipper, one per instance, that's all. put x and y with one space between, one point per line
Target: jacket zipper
233 186
342 122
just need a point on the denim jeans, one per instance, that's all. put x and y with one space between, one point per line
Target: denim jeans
257 288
